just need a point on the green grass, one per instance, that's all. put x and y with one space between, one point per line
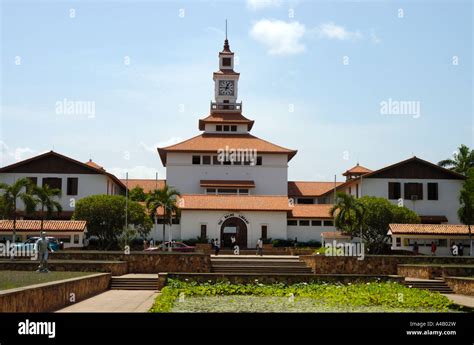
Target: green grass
15 279
180 296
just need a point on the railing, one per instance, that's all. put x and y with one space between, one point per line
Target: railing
231 107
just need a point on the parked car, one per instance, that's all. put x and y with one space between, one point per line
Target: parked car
53 243
176 247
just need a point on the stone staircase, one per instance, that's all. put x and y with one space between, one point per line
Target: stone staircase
261 265
129 282
435 285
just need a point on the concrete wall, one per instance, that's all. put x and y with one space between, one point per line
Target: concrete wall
446 205
308 233
270 178
88 184
462 286
424 243
52 296
191 224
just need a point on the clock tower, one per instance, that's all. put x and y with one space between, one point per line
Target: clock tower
226 83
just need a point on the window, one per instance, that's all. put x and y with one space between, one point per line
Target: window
442 243
264 232
413 191
215 160
291 222
33 180
233 128
259 160
226 128
328 223
219 128
432 191
206 160
394 190
72 184
398 241
243 191
350 190
226 62
227 191
196 159
211 191
316 223
52 182
76 239
203 230
304 222
306 201
357 191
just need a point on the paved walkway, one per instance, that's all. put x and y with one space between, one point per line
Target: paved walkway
120 301
467 301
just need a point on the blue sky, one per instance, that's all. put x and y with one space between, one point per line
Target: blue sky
293 83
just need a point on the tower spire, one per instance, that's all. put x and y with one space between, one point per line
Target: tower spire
226 42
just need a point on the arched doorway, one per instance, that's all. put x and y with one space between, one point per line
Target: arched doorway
234 227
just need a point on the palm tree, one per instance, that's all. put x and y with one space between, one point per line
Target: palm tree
461 162
20 190
165 198
466 211
46 198
348 213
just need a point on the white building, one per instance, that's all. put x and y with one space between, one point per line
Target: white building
75 179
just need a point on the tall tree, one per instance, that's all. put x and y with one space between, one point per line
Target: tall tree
48 200
348 213
461 162
20 190
137 194
466 211
166 199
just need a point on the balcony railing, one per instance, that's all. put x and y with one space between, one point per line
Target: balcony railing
230 107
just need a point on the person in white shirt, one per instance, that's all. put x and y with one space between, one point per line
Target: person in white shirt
259 247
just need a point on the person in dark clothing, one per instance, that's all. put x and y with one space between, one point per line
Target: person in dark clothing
415 248
217 247
461 249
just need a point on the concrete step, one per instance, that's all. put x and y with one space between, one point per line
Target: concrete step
118 283
431 285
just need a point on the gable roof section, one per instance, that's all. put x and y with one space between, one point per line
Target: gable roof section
415 168
309 188
428 229
357 170
53 162
211 143
49 225
227 118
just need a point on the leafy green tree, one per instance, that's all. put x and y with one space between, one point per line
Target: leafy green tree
48 200
466 199
461 162
348 213
379 213
137 194
105 216
20 190
166 199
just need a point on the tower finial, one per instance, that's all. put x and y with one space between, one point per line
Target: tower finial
226 29
226 42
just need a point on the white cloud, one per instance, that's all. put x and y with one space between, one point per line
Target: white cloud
374 38
10 155
332 31
153 148
260 4
281 38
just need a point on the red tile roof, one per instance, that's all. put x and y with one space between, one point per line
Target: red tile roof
310 211
49 225
148 185
429 229
308 188
93 164
357 170
234 202
213 142
228 183
226 118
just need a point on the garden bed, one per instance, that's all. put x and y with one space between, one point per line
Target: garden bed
15 279
181 296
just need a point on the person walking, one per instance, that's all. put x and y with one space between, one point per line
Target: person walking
461 249
232 240
415 248
217 247
259 247
433 248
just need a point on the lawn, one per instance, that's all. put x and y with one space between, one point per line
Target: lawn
181 296
14 279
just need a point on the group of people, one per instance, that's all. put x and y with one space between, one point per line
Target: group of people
148 244
456 249
216 245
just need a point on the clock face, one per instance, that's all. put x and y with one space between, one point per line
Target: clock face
226 87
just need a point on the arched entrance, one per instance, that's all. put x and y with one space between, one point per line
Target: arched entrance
234 227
